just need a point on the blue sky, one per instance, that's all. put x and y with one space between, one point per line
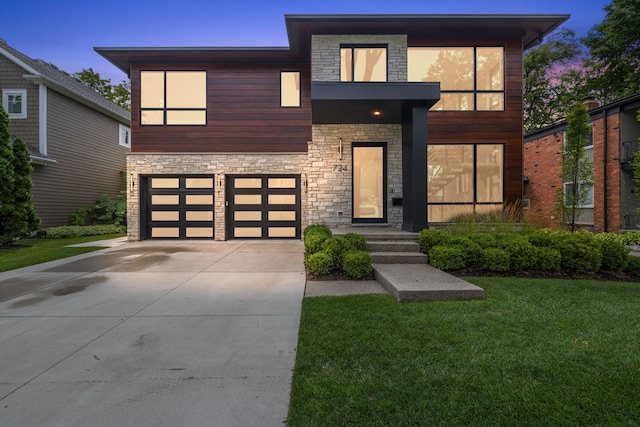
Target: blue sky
65 33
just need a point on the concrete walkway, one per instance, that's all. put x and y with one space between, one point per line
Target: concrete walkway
152 334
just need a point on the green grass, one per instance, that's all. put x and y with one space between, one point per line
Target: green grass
35 251
534 352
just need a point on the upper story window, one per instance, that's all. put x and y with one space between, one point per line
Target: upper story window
125 136
363 63
14 102
173 98
290 89
471 78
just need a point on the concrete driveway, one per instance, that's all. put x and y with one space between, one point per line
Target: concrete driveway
152 334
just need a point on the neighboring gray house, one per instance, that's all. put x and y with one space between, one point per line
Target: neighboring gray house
78 139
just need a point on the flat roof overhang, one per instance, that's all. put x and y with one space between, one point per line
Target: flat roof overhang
368 102
529 28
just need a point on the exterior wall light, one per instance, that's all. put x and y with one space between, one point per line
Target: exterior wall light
131 183
340 150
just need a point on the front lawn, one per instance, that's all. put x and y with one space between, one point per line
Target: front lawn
28 252
535 352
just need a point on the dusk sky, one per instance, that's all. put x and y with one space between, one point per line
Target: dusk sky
65 33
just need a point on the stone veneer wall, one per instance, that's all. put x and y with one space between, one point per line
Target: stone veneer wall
325 55
209 164
330 179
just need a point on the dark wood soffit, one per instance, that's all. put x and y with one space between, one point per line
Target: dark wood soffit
123 58
529 28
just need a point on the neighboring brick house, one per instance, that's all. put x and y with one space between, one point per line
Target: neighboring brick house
78 140
614 204
390 120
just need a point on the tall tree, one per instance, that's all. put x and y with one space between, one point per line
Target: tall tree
24 207
577 169
553 80
614 45
7 183
119 93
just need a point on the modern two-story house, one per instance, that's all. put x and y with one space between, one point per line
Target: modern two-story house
393 120
613 203
78 140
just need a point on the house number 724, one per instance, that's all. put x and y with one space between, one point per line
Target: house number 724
340 168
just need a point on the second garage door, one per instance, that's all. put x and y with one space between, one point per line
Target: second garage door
263 206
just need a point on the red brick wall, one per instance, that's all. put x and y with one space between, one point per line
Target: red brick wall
542 159
542 166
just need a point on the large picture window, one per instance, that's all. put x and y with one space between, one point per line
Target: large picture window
464 179
471 78
173 98
363 64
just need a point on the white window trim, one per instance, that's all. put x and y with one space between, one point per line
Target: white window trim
580 184
124 138
5 102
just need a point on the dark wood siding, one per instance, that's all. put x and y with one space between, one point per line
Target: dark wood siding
243 113
90 160
487 126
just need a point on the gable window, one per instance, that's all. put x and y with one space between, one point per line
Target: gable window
14 102
471 78
173 97
290 89
363 63
125 136
464 179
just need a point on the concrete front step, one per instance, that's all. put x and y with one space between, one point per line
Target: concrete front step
398 258
424 283
392 246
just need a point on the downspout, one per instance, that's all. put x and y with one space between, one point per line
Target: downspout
605 144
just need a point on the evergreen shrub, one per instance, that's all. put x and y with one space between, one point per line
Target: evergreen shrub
430 237
579 251
357 264
495 259
547 259
615 255
447 257
319 263
356 241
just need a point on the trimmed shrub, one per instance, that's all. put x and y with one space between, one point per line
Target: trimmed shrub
447 257
485 240
521 252
580 252
541 237
357 264
87 230
316 228
430 237
633 265
615 255
495 259
356 241
548 259
319 263
313 242
471 252
631 238
335 247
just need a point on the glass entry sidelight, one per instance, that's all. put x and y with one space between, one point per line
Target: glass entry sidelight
369 182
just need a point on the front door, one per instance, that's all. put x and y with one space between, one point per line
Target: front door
369 182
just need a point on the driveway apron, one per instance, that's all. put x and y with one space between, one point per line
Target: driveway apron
152 333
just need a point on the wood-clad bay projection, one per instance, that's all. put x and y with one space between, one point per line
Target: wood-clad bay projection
243 110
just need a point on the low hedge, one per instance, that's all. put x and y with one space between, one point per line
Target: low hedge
540 249
84 230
